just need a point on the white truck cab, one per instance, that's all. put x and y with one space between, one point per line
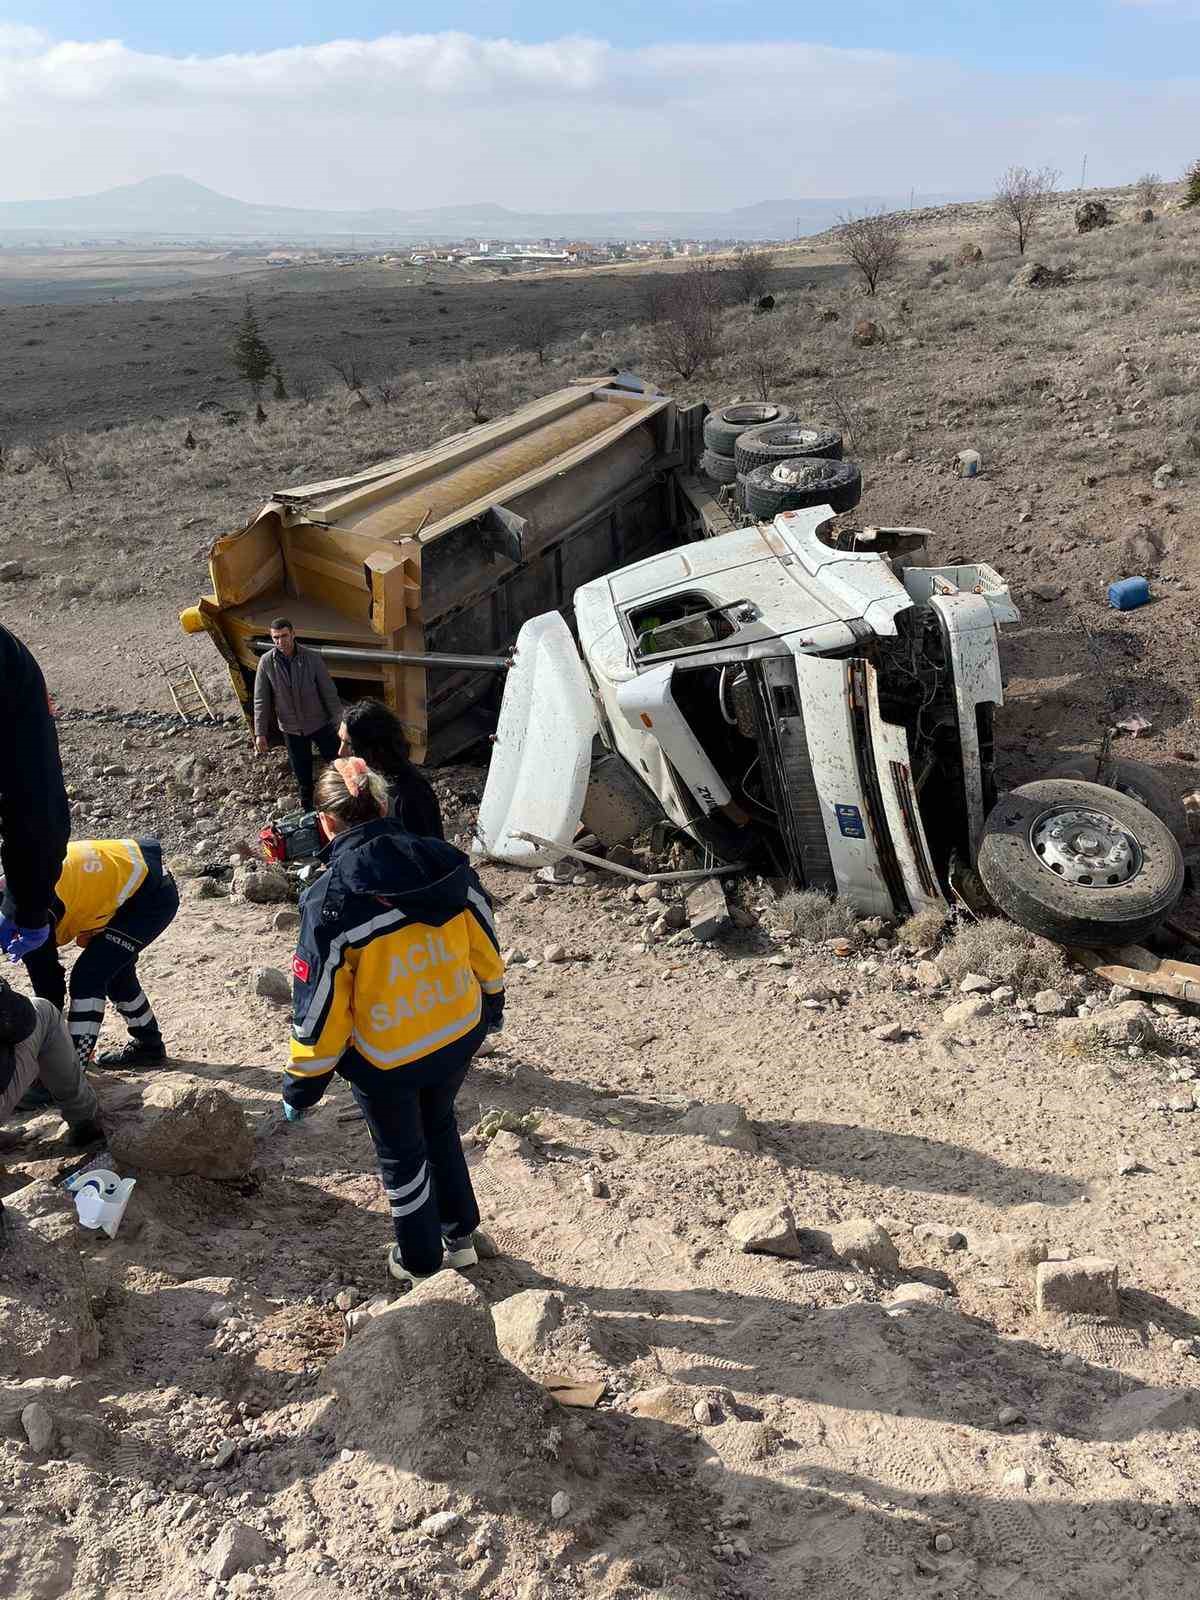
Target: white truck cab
823 713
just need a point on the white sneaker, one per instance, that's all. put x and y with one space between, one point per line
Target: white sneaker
461 1252
397 1269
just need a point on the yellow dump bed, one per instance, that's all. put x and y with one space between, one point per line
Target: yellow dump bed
451 549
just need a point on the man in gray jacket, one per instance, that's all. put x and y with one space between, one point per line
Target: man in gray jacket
293 690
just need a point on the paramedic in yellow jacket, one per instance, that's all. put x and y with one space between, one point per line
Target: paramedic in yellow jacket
113 897
397 978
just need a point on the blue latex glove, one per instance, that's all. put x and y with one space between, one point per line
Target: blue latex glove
293 1113
20 942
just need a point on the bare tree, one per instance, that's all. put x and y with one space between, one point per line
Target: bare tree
873 244
766 355
1149 190
473 385
303 385
535 328
751 272
1022 199
346 365
687 334
57 457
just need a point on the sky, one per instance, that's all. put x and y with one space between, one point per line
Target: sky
555 106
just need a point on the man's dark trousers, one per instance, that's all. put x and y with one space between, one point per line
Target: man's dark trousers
300 757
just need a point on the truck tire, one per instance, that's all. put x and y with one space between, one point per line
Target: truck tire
833 483
1079 863
1135 778
721 469
722 426
784 441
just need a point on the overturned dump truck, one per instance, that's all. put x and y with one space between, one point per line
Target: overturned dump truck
435 559
818 706
809 700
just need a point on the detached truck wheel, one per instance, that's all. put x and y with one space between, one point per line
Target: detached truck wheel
785 441
792 485
1079 863
1138 780
723 426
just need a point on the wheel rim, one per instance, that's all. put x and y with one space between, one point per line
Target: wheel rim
750 414
798 436
1085 847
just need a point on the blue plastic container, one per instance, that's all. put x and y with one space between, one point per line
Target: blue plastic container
1128 593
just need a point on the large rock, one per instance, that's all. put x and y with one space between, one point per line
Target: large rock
1146 1411
866 333
968 255
236 1549
1087 1285
767 1230
860 1241
1090 215
964 1012
1036 275
525 1321
1132 1022
723 1124
184 1125
262 883
46 1322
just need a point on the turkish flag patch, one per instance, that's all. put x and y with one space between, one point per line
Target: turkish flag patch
300 968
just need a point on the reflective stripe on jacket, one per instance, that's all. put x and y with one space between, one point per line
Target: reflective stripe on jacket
397 956
98 877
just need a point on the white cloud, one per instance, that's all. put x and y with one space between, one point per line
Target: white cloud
570 123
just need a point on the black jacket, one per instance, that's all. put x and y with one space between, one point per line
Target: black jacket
414 804
35 815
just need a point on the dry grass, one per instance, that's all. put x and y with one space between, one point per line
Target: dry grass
1007 954
816 917
924 930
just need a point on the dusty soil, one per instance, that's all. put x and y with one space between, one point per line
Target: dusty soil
768 1426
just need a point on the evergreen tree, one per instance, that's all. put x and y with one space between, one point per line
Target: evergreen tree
1191 185
252 359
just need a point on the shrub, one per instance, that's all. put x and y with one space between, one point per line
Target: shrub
813 915
924 929
1004 952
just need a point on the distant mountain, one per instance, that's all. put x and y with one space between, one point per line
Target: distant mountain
178 208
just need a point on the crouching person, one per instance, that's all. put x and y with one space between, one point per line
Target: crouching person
396 980
35 1047
113 898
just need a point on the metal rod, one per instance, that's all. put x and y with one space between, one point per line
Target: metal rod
400 658
691 875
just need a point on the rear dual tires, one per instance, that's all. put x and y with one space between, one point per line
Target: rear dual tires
721 469
724 426
1024 881
785 441
837 484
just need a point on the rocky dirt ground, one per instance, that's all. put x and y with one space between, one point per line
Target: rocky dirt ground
868 1400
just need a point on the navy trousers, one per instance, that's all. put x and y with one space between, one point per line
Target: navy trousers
410 1116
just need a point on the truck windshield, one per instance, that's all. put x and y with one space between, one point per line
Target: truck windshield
680 622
